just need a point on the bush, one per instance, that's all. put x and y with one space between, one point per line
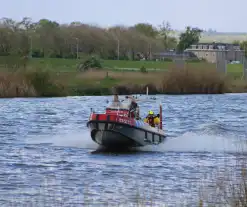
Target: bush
43 84
92 91
14 62
193 81
14 85
168 59
196 60
91 62
143 69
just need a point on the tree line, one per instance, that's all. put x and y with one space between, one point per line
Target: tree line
47 38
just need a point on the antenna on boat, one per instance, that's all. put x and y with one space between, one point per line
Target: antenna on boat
160 115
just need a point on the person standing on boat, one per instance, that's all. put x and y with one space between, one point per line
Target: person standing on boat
116 102
133 107
116 99
152 120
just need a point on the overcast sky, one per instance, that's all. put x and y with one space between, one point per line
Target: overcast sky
222 15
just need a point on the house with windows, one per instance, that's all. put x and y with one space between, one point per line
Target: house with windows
211 51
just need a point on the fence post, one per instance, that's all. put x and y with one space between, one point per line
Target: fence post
244 68
180 63
225 67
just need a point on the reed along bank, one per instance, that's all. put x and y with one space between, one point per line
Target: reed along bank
41 83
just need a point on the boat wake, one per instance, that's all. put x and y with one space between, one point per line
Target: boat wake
188 142
198 142
79 140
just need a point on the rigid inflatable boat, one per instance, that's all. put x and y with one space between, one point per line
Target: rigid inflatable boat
117 129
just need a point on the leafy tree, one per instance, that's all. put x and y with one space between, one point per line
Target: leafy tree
236 42
47 38
146 29
189 37
171 43
91 62
243 46
166 34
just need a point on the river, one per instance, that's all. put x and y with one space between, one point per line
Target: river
47 160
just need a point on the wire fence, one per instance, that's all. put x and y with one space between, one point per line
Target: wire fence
221 63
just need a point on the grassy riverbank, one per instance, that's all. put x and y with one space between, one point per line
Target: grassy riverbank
33 83
61 77
71 65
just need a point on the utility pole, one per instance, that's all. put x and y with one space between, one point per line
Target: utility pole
118 48
77 48
244 63
115 38
31 47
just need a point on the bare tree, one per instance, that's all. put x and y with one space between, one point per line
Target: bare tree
47 38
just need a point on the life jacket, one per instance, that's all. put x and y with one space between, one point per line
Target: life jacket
151 121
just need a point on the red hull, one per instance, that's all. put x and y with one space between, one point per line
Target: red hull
116 128
112 118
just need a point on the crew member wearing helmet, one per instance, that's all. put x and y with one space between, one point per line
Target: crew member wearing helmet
152 120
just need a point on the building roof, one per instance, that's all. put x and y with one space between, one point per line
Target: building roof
174 54
216 46
218 43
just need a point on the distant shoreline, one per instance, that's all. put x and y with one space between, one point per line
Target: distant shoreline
199 79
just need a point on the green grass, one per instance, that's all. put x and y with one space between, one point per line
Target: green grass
36 83
235 70
115 64
70 65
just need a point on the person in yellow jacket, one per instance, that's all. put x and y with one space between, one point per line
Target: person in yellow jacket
152 120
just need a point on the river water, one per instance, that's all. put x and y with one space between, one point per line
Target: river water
47 155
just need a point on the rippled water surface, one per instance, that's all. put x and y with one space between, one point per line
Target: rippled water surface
46 152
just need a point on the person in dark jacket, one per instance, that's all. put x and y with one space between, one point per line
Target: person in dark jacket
133 107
